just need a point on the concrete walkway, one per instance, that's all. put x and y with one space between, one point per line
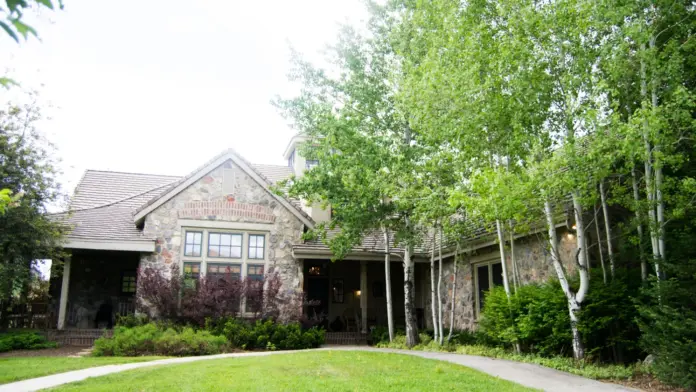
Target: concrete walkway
529 375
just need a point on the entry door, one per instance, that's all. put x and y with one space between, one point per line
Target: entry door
317 288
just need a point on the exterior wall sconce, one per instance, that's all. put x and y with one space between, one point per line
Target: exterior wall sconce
357 293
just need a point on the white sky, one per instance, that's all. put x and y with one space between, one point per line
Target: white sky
161 86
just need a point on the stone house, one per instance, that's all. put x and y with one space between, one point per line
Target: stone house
224 215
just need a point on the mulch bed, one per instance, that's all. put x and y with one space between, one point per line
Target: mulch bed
648 383
63 351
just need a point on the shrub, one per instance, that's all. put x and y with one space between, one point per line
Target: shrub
262 333
24 340
536 318
153 339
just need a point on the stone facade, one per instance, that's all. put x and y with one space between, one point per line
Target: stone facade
228 185
534 265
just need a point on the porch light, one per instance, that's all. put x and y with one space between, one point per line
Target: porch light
357 293
575 227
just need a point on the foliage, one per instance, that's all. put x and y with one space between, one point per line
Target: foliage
14 11
153 339
668 315
24 340
167 295
563 363
263 334
536 317
27 233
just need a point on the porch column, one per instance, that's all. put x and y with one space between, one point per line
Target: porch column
363 294
64 293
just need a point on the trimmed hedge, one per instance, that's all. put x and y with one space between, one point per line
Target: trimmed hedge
152 339
134 337
25 340
267 334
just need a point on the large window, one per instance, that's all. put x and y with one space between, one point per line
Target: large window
225 254
486 275
227 245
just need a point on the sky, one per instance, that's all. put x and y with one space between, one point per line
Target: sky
162 86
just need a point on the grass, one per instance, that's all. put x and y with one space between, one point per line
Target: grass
304 371
15 369
581 368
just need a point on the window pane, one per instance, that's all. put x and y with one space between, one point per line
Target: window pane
497 274
252 240
197 238
482 280
225 251
236 252
214 239
225 239
260 240
188 250
252 253
237 240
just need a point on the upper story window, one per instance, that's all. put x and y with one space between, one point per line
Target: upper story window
225 245
257 245
193 243
310 163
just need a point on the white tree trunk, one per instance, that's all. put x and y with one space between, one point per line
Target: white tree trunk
599 245
573 303
660 205
649 191
409 299
387 284
433 299
454 292
513 259
607 229
581 260
639 225
501 242
439 289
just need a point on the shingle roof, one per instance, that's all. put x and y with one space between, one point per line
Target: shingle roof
104 201
101 188
103 204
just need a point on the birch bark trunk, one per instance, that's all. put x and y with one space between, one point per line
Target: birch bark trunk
607 229
387 284
433 304
439 289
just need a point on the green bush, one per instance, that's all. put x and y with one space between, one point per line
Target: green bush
263 334
153 339
536 318
24 340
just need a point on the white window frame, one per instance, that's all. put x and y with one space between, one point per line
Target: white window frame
244 260
489 263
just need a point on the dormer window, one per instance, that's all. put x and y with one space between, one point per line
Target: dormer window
291 160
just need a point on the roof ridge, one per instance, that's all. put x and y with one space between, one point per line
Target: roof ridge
122 200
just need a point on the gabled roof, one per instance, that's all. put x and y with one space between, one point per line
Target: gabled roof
227 155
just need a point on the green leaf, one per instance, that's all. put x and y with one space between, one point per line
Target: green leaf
46 3
23 28
9 31
7 82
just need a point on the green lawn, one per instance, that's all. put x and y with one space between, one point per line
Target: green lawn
15 369
305 371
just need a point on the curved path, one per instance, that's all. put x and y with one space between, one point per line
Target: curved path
529 375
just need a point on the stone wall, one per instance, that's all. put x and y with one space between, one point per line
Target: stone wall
534 265
227 184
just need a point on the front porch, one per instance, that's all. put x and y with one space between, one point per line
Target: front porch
95 288
350 295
